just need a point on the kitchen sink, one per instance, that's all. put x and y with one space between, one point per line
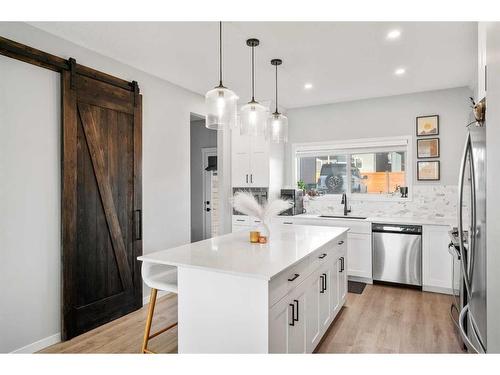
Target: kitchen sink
342 217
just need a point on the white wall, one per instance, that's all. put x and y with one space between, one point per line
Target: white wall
201 137
385 117
30 193
166 208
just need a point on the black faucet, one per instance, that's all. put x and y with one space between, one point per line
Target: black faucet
344 202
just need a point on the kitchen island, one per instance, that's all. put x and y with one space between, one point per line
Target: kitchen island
238 297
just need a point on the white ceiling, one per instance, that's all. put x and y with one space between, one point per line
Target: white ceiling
343 60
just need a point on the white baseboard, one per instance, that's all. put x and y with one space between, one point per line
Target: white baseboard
366 280
39 345
437 289
160 293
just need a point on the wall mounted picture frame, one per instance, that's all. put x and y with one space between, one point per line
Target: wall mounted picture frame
428 170
427 125
428 148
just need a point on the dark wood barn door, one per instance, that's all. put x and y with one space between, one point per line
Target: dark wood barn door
101 203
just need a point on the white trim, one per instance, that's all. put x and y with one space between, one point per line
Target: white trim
205 153
353 145
39 345
437 289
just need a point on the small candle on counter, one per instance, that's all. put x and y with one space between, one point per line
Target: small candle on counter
262 239
254 236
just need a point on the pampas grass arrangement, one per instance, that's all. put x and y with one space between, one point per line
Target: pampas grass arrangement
246 203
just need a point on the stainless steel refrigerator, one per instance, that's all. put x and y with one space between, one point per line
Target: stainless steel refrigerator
472 238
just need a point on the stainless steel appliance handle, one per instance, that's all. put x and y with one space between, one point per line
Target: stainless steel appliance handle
460 213
473 227
461 318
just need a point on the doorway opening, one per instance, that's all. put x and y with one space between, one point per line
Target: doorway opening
204 180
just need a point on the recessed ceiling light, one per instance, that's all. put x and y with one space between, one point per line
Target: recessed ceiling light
400 71
308 86
393 34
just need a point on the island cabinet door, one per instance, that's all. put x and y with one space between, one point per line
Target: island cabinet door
313 326
287 324
325 304
335 281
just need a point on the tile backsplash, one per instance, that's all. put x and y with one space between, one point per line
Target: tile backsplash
428 202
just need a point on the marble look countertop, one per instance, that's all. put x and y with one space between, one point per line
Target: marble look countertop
445 221
233 253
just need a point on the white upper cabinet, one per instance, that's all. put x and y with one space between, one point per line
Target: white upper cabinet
252 162
481 61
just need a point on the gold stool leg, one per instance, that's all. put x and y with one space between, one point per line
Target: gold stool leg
147 331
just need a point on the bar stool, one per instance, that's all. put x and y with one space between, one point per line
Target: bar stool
157 277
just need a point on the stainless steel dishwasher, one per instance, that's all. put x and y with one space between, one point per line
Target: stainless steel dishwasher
397 253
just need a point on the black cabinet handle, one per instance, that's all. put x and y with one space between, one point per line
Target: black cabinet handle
342 264
294 277
297 309
287 222
324 279
322 256
341 242
240 220
322 284
293 314
138 224
246 178
251 178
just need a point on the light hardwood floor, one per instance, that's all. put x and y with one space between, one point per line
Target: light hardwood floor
383 319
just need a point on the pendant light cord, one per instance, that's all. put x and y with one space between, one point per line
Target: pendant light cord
220 53
276 111
253 77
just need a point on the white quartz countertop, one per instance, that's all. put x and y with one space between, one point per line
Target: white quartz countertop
233 253
389 220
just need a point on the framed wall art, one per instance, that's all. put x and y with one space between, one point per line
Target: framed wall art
428 170
427 125
427 148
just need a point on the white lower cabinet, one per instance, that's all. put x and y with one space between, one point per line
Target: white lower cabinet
360 255
287 323
437 262
298 321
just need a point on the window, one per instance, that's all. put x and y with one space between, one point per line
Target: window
360 168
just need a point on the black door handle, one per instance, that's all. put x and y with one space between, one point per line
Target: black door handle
324 279
341 264
341 242
322 284
138 224
207 202
294 277
208 209
293 314
322 256
297 309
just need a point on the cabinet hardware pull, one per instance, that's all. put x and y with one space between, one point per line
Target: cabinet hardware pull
322 256
246 178
294 277
293 314
341 264
287 222
138 224
325 287
251 178
322 284
341 242
297 308
240 220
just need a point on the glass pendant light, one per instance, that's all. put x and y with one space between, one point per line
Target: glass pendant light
221 103
277 122
253 114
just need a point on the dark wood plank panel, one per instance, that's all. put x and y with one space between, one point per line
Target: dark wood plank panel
95 146
68 203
